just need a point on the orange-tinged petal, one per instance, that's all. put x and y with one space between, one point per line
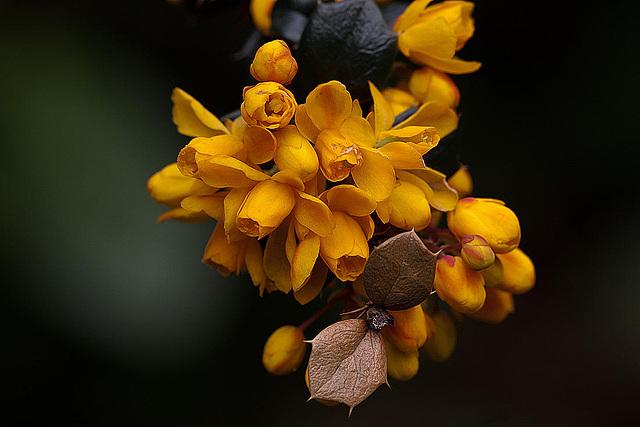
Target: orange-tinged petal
276 264
226 171
434 185
328 105
356 109
403 156
460 287
253 260
349 199
232 202
497 306
314 285
169 186
366 224
305 125
409 207
400 100
436 114
375 175
519 273
453 65
462 182
410 15
346 250
435 38
224 256
290 178
382 110
199 149
428 84
401 366
264 208
313 214
357 130
261 144
409 329
304 260
212 205
192 119
337 155
181 214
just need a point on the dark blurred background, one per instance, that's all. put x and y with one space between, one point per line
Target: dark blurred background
110 319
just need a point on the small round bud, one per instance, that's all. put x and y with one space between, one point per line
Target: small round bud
476 252
273 62
401 366
284 350
519 273
462 182
443 339
409 330
496 308
488 218
459 286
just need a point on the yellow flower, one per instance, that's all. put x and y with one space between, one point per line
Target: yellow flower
428 84
518 272
462 182
261 14
431 35
295 153
273 62
343 140
401 366
409 329
442 336
268 104
284 350
346 249
169 187
406 208
496 308
459 286
488 218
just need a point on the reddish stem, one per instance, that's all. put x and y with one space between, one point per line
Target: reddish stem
304 325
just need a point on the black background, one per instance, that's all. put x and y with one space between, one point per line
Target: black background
110 319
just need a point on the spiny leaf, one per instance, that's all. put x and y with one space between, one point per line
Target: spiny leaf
348 362
399 273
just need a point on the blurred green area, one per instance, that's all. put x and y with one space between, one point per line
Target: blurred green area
110 318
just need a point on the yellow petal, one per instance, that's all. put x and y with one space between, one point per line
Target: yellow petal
383 210
275 261
253 260
349 199
295 153
357 130
183 215
226 171
192 119
410 15
314 285
366 224
328 105
435 187
383 113
312 213
199 149
454 65
337 155
403 156
290 178
303 260
169 186
436 114
212 205
409 207
261 144
224 256
264 208
305 125
346 250
375 175
435 38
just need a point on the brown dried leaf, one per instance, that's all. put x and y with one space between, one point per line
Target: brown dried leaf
399 273
348 362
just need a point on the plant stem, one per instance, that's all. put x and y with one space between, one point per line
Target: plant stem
304 325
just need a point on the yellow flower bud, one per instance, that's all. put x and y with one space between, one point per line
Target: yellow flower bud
459 286
401 366
443 338
519 273
295 153
284 350
496 308
493 274
268 104
461 182
476 252
409 207
427 85
490 219
274 62
400 100
409 330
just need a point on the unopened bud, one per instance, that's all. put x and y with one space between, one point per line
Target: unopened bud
409 329
284 350
519 273
401 366
489 218
496 308
458 285
427 85
443 339
476 252
274 62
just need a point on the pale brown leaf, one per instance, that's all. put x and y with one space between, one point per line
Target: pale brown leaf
348 362
399 273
